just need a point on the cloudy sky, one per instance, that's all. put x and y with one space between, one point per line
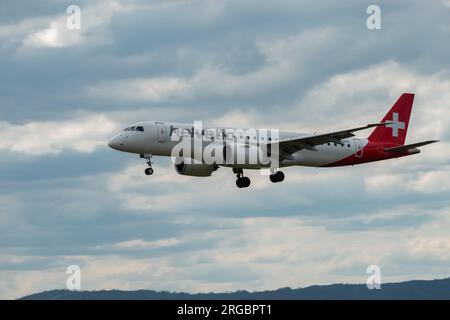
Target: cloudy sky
306 66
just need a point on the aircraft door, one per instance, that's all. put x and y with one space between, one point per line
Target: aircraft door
359 150
162 132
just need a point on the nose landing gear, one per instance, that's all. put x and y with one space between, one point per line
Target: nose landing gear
241 182
149 171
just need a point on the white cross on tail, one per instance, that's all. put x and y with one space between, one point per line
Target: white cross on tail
396 124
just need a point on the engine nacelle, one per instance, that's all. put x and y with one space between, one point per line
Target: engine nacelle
194 169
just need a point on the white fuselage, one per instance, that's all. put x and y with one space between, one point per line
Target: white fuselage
156 138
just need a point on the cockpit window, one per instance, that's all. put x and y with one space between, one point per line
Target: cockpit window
134 128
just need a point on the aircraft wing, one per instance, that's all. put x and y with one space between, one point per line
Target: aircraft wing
291 145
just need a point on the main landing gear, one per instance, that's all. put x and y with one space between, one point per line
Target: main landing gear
244 182
277 177
241 182
149 171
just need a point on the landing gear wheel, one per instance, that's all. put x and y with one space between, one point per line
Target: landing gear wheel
243 182
148 158
277 177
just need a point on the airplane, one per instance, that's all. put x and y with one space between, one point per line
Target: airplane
333 149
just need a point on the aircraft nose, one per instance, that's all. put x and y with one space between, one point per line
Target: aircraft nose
114 143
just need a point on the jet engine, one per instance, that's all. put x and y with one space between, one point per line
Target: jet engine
194 169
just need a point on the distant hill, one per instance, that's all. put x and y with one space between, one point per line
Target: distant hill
416 289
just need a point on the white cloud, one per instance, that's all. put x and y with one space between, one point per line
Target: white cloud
349 97
139 244
16 284
437 247
147 89
210 81
236 119
395 184
386 184
291 253
21 29
330 105
187 193
56 35
52 137
433 181
52 31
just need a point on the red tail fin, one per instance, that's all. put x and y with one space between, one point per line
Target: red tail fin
399 114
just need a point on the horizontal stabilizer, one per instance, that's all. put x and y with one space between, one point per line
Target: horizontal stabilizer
409 146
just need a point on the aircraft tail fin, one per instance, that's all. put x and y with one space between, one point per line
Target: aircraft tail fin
398 121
